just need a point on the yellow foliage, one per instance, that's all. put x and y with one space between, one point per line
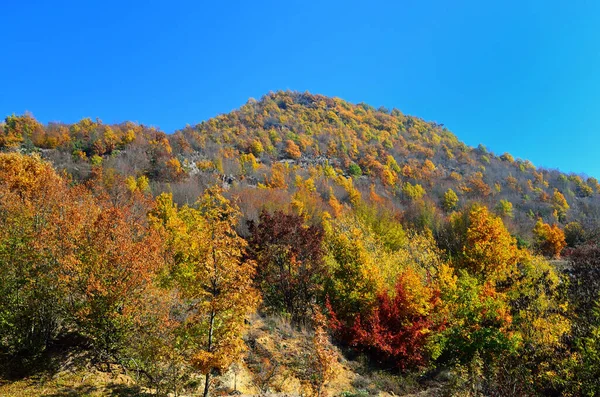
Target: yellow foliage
490 251
550 239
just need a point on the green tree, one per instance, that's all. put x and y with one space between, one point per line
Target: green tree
504 209
450 200
354 170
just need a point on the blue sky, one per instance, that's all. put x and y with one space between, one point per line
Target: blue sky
517 76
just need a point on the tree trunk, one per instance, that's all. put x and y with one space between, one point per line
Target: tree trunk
206 384
212 316
210 336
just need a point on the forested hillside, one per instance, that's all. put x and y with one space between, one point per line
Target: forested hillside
289 139
359 234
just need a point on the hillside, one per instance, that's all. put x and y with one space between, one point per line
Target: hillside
300 245
269 143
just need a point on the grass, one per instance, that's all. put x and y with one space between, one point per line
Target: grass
70 384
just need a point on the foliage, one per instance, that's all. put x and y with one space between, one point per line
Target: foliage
393 150
505 209
28 295
290 267
584 284
354 170
396 331
214 282
574 234
352 264
450 200
550 239
479 322
391 220
292 150
71 260
489 251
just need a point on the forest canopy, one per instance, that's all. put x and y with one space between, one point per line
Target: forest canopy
382 234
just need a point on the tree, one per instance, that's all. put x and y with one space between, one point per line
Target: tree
290 267
477 319
19 128
550 240
71 260
584 283
574 234
560 204
215 283
450 200
292 150
587 368
31 194
489 251
507 157
413 192
395 332
352 264
504 209
354 170
109 273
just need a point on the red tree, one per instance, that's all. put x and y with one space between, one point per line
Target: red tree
393 334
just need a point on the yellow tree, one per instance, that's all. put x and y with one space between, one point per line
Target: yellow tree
560 204
214 281
17 128
550 239
489 250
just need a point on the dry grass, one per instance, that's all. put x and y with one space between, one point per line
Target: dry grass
277 362
66 384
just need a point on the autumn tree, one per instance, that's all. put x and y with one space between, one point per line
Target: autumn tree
550 239
413 192
584 277
395 332
214 282
289 259
82 263
560 204
450 200
19 128
504 208
109 273
489 251
477 321
540 319
521 290
585 380
574 234
352 264
31 193
292 150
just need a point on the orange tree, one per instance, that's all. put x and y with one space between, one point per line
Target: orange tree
550 239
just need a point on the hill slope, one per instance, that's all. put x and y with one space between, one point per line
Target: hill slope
333 228
409 163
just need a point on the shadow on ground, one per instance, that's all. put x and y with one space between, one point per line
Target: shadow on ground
109 390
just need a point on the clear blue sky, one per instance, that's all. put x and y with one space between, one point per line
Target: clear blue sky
518 76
